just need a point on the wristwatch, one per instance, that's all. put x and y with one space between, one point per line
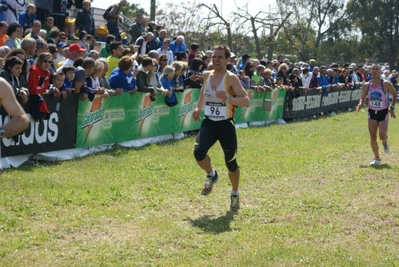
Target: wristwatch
2 133
392 107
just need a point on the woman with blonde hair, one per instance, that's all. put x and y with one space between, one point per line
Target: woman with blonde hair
167 82
38 83
93 81
179 68
282 72
154 79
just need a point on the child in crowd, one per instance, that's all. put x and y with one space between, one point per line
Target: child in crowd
193 53
57 89
93 82
280 83
27 16
12 74
69 72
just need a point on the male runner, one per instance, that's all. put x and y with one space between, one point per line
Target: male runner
220 94
377 91
18 119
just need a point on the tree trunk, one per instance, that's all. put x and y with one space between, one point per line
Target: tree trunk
153 10
257 45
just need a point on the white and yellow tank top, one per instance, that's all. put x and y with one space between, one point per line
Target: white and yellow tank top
215 108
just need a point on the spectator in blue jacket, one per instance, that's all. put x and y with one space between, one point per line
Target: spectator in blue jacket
122 76
178 45
167 83
27 16
333 78
323 81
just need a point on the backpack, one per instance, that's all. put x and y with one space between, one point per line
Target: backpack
106 13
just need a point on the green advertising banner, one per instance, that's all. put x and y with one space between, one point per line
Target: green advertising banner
255 112
277 98
133 116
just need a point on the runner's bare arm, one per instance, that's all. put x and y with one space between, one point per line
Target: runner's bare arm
235 88
19 120
389 87
363 97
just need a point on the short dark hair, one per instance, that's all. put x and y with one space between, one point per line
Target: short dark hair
195 63
110 38
58 74
12 28
52 48
146 61
88 62
78 62
12 61
65 69
194 46
54 33
114 46
181 55
225 48
82 34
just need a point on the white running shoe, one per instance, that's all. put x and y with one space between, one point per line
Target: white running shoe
386 147
375 162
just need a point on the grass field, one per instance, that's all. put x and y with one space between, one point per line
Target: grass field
308 198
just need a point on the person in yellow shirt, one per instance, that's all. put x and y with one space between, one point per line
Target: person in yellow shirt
116 49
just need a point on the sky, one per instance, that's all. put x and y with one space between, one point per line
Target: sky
227 6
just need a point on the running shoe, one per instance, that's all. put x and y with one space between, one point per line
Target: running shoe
209 181
386 147
375 162
235 203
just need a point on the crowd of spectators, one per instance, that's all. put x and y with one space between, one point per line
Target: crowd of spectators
36 59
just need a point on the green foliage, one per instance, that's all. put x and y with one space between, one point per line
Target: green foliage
131 10
311 22
308 198
378 22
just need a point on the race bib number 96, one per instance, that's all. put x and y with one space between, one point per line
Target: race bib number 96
215 110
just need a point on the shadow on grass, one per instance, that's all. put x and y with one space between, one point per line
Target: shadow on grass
214 225
378 167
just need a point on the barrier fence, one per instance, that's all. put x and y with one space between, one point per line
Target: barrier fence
74 123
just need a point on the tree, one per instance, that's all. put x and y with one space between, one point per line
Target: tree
131 10
222 21
321 17
265 21
378 22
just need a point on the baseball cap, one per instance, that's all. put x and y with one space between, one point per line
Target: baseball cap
232 55
312 60
62 44
295 71
76 48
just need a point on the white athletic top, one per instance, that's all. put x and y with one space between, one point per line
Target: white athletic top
215 108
